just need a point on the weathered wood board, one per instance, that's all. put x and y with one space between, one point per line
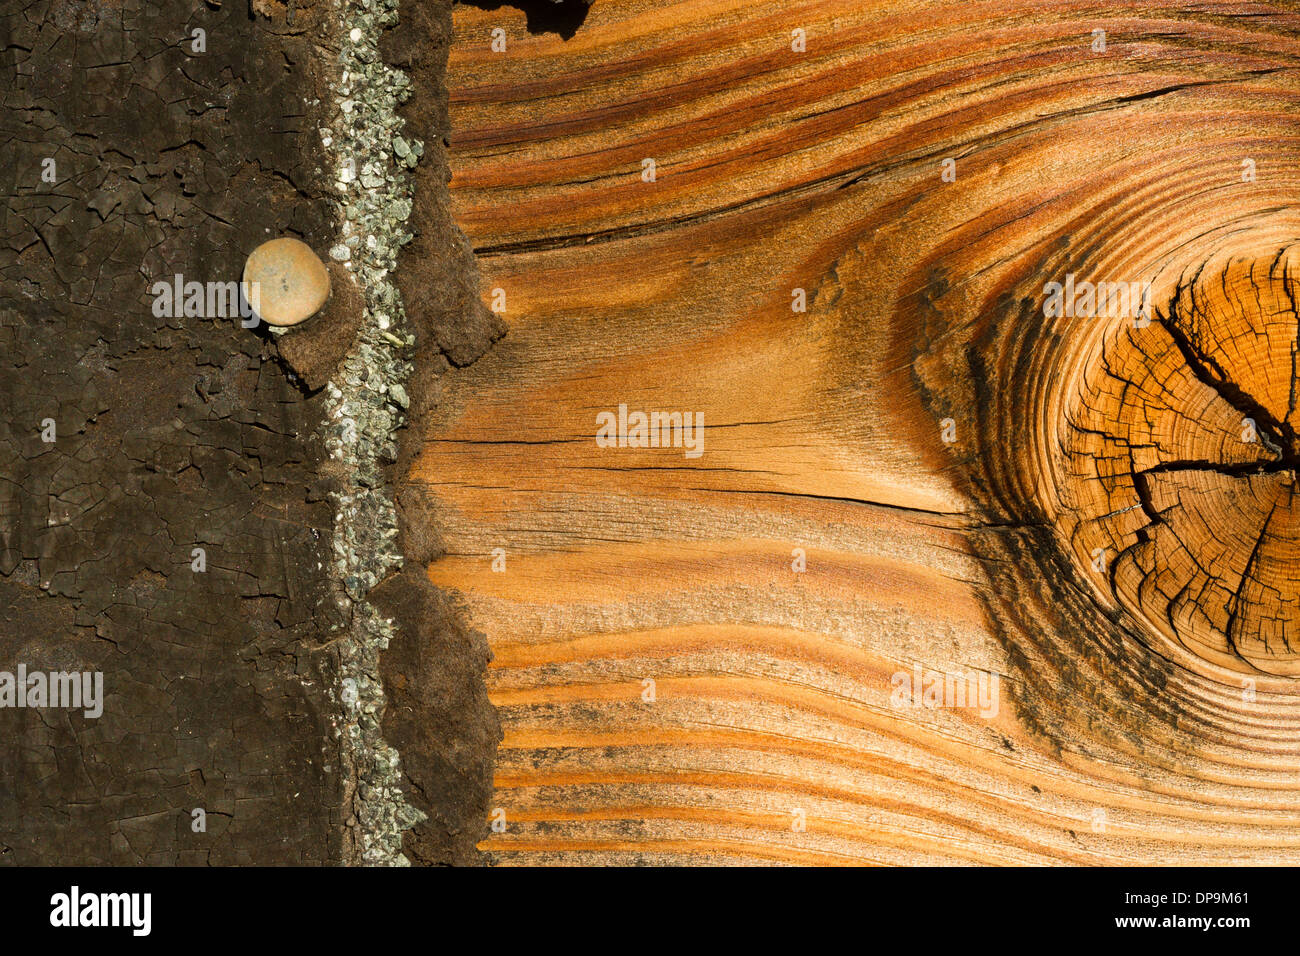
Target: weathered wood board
946 455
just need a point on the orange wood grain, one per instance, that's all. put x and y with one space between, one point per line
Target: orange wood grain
821 170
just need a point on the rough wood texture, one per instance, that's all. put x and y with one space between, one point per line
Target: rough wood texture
1149 711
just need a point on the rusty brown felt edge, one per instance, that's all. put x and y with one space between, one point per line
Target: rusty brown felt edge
438 714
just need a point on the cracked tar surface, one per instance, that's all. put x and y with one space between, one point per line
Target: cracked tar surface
170 434
175 534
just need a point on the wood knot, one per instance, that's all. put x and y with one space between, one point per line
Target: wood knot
1180 451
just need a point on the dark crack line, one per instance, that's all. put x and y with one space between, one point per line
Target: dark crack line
1212 375
1241 585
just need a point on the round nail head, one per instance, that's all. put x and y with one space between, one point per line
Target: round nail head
285 281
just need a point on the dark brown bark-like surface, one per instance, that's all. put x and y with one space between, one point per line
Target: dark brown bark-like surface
172 434
438 717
